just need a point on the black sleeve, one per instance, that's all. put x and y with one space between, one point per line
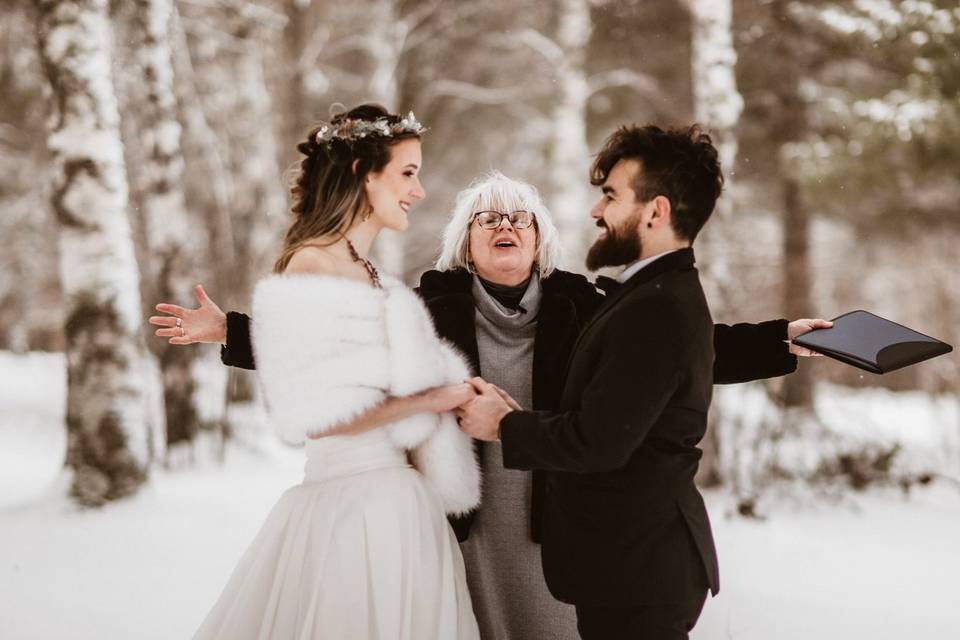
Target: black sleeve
238 351
619 405
746 352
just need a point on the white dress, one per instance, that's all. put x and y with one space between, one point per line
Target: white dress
361 550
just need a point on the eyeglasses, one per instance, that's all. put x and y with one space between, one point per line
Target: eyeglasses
519 219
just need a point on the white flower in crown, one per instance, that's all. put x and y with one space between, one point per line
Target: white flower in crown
353 129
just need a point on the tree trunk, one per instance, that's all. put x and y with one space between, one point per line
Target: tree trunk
798 388
385 48
717 106
791 127
295 39
569 153
231 83
110 445
171 236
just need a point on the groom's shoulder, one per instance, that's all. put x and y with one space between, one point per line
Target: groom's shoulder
575 287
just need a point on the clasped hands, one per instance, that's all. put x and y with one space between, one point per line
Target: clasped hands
485 405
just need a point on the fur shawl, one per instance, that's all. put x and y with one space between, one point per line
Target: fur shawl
328 349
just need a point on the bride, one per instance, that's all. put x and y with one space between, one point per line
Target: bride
350 363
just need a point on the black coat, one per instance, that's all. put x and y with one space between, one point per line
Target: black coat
744 351
568 301
623 523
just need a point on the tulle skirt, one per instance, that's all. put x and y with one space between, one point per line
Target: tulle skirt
360 550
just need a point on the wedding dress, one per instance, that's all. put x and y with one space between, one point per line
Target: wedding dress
361 550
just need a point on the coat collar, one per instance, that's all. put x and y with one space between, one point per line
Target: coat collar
434 284
676 261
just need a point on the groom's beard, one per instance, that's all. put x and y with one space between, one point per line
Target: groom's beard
619 247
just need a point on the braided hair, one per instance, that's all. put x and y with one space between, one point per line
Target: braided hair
328 191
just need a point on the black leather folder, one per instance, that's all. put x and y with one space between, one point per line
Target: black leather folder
872 343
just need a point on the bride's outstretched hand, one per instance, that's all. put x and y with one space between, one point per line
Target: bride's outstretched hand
187 326
801 326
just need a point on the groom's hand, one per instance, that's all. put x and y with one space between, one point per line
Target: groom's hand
480 418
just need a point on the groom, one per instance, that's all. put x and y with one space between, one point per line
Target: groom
626 536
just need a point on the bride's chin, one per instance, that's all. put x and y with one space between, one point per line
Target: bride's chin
397 223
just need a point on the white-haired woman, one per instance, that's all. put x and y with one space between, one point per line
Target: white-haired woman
498 295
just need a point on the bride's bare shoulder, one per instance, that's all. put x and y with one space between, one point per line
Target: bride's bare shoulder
315 260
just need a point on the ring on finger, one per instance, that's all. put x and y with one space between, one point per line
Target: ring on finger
180 322
182 332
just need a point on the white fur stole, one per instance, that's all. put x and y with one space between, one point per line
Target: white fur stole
329 349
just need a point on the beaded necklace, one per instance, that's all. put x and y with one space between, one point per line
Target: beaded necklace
371 270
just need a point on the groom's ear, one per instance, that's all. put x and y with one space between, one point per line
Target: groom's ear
661 212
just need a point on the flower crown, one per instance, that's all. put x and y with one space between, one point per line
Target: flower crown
354 129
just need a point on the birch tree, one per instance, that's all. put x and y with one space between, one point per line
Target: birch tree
171 236
568 149
384 43
228 42
717 105
790 128
108 433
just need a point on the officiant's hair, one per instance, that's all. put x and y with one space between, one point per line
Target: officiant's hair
680 164
495 191
328 194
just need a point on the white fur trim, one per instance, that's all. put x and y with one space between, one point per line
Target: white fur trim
447 461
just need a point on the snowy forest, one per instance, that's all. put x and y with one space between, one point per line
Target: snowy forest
147 146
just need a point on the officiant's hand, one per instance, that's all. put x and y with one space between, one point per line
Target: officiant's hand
801 326
480 418
204 324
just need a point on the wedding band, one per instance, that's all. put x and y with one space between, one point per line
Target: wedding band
179 322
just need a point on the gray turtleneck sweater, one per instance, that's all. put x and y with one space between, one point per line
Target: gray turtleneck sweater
504 571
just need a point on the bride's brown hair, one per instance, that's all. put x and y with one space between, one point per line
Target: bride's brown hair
328 192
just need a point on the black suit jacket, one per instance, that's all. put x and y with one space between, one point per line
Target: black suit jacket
624 525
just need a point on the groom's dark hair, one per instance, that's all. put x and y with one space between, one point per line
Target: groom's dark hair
680 164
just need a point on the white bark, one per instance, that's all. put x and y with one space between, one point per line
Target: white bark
717 106
109 436
258 203
171 234
230 82
569 152
384 45
228 42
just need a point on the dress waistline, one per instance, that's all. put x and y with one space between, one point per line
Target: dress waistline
338 456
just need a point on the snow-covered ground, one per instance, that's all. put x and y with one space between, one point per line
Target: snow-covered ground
875 565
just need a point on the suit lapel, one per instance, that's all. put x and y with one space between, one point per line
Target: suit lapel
681 259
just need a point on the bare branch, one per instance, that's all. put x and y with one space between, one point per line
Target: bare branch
476 93
640 82
313 48
416 18
350 43
542 44
419 33
255 13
